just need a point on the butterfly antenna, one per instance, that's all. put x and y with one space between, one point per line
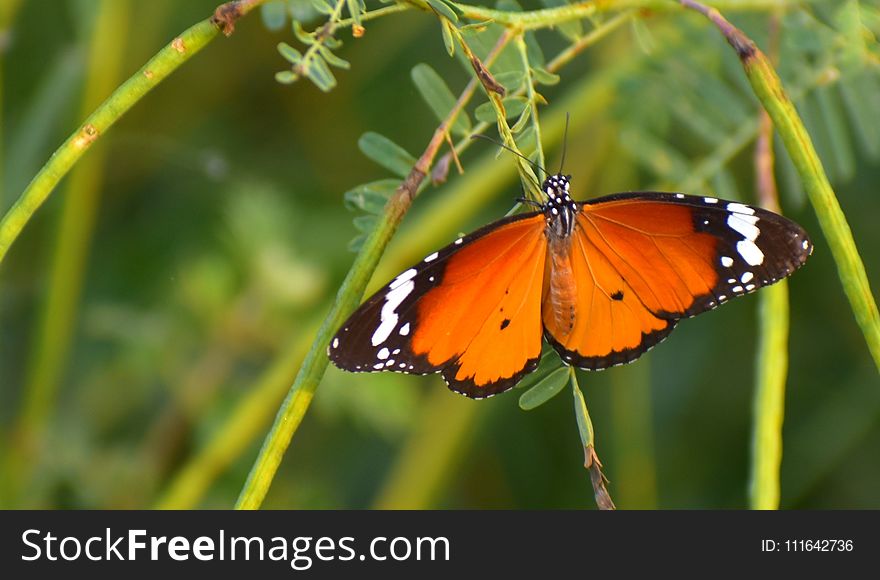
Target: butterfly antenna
564 143
515 152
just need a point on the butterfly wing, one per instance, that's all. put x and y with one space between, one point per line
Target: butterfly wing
638 262
471 311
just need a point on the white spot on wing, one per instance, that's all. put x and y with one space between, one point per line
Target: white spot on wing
710 200
805 244
726 261
679 195
737 288
458 241
408 275
745 225
746 277
335 342
751 253
383 354
432 257
389 310
740 208
404 330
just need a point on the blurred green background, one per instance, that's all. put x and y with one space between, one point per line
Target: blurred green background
149 331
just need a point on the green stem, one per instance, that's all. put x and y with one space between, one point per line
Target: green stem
547 17
769 90
373 14
588 440
769 402
166 61
771 370
533 98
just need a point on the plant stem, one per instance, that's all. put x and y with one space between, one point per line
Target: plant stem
588 440
547 17
533 98
769 90
771 370
373 14
166 61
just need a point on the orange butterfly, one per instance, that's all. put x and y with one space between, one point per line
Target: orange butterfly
602 280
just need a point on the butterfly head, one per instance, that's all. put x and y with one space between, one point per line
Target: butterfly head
559 209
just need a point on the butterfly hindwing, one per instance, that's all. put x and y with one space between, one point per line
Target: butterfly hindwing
641 261
470 311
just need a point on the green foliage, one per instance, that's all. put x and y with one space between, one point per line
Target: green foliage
386 153
216 254
318 57
438 96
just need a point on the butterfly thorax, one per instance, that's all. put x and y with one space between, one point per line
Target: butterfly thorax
559 209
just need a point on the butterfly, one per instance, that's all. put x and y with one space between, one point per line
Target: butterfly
603 281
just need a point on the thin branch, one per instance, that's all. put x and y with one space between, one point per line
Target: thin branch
591 459
771 370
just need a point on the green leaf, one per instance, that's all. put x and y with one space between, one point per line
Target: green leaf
476 26
301 34
511 79
439 97
274 14
550 361
365 223
533 50
585 426
332 59
513 106
544 77
371 197
448 40
289 53
354 9
523 119
286 77
444 9
320 74
386 153
356 242
322 7
545 389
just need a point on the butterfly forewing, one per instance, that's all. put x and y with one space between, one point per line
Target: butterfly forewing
470 311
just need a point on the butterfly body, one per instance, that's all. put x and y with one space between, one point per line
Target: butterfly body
602 281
